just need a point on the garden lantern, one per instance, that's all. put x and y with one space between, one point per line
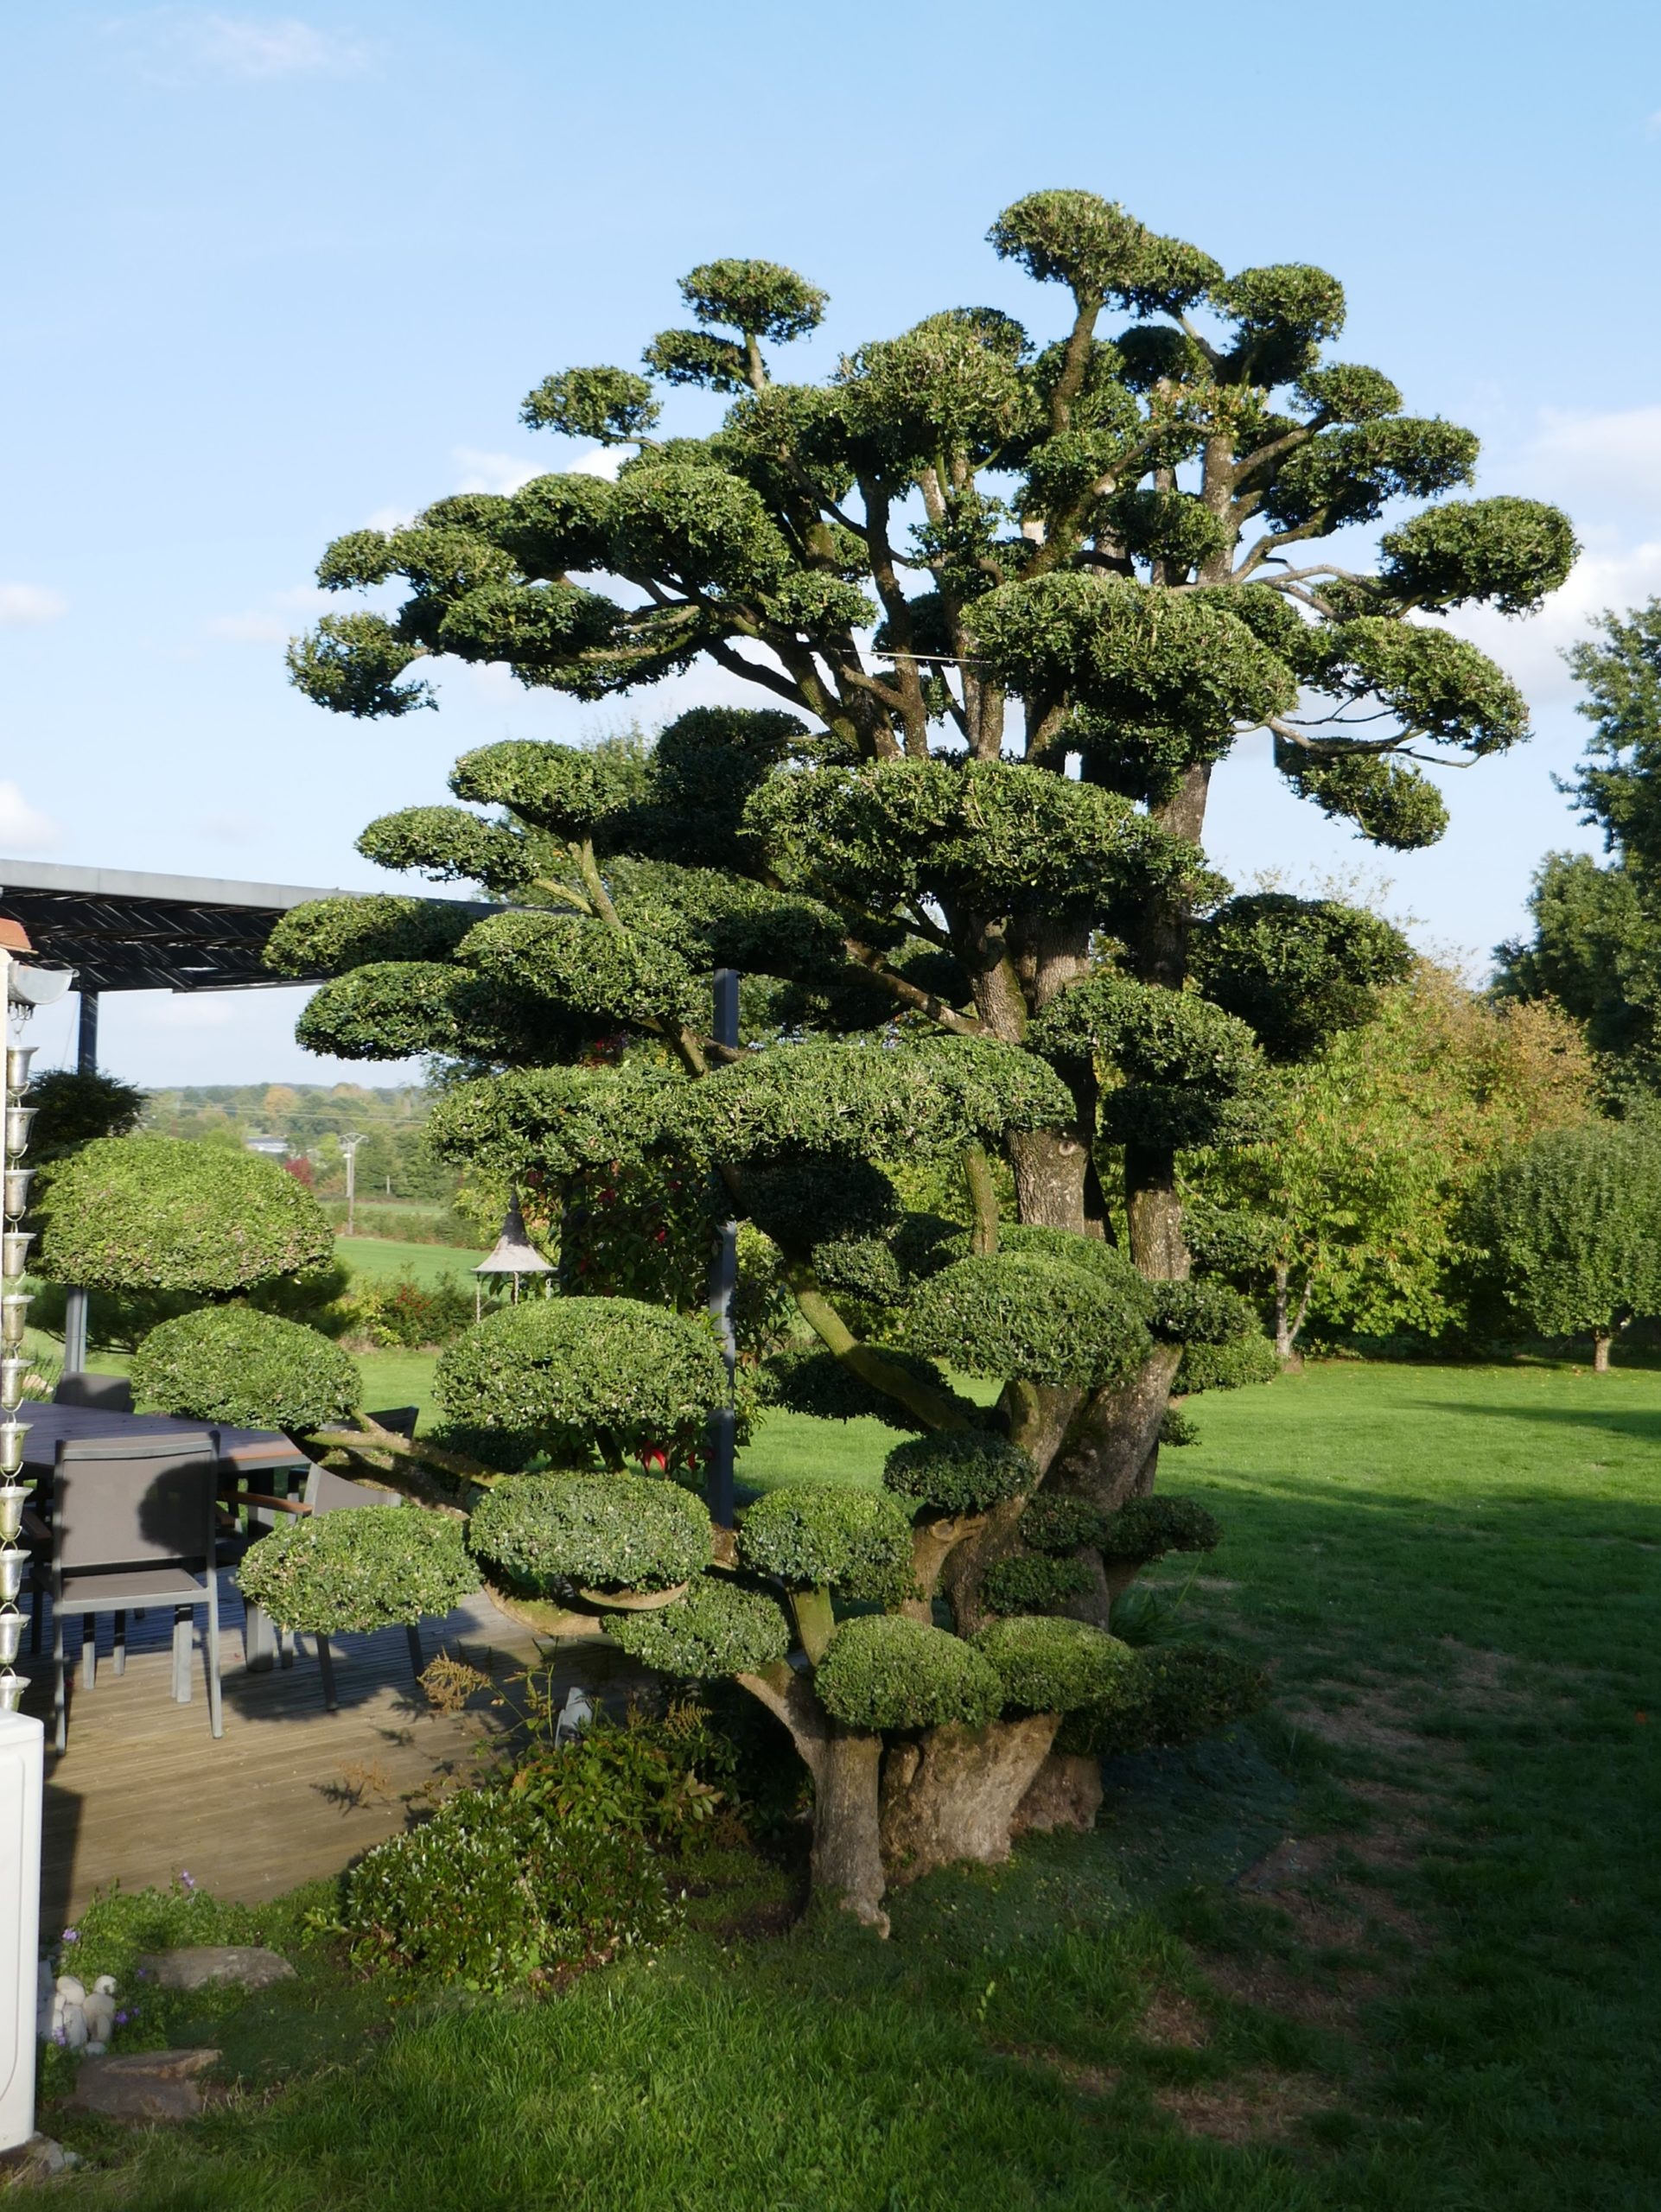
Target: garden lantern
514 1254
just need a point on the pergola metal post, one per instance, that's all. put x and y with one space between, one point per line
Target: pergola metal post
723 1281
74 1316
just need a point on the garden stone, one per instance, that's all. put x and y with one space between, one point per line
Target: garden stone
196 1966
36 2160
143 2084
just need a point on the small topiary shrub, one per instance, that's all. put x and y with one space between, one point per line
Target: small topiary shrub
717 1628
401 1313
72 1110
1178 1694
369 1566
1030 1583
249 1369
809 1534
162 1213
1053 1665
597 1531
883 1671
1148 1528
1176 1429
1036 1318
1061 1525
494 1892
816 1382
1200 1314
959 1470
1226 1367
567 1368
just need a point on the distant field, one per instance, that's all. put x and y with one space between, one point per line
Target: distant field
380 1256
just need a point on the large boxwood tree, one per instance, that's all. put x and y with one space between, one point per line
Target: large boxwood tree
1008 601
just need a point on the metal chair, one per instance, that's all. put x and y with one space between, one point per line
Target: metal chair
324 1493
400 1420
134 1524
107 1394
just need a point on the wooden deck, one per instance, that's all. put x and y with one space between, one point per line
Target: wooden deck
289 1792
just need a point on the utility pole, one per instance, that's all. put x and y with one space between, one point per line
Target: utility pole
349 1148
723 1281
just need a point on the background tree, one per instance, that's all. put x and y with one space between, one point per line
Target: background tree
1571 1231
1596 947
1011 600
1346 1215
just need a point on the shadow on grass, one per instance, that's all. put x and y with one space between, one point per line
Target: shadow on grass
1642 1427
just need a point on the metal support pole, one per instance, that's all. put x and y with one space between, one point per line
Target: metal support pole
74 1314
723 1281
349 1146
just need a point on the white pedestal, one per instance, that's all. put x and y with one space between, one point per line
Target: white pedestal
21 1766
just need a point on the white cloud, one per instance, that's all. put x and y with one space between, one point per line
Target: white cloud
252 629
491 471
600 460
191 42
1608 575
389 519
24 827
24 606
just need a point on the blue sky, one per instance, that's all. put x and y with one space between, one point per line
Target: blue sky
271 276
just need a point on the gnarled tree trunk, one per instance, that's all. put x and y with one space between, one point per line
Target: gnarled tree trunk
1065 1793
845 1765
952 1793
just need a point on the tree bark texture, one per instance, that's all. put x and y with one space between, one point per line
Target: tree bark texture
846 1766
1065 1793
1600 1354
952 1793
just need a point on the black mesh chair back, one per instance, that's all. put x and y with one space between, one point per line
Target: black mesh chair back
134 1525
109 1393
327 1493
136 1501
399 1420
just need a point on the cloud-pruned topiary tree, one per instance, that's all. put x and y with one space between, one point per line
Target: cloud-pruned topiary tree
1008 599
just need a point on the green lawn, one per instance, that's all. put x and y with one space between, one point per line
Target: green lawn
1437 1990
428 1263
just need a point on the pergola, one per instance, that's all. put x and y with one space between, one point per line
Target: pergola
130 929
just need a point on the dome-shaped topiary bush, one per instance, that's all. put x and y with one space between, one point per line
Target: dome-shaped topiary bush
808 1534
1030 1582
1226 1367
1201 1313
717 1628
883 1671
567 1368
1037 1318
1148 1528
374 1566
959 1470
1059 1524
162 1213
598 1531
250 1370
1056 1666
817 1383
1178 1693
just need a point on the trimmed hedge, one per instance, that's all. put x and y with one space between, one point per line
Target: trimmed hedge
1059 1524
1148 1528
882 1671
1030 1583
564 1367
1200 1314
809 1534
1055 1666
1037 1318
959 1470
598 1531
1226 1367
249 1369
369 1566
162 1213
1179 1694
717 1628
816 1382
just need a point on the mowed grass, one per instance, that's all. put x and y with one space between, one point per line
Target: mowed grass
380 1256
1437 1988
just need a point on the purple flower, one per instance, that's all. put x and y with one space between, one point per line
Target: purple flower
185 1882
71 1934
121 2019
59 2036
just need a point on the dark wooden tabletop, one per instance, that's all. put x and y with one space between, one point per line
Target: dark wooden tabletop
50 1426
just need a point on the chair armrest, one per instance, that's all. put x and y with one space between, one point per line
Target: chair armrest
33 1527
263 1498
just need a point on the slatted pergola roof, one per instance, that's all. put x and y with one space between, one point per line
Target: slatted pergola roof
127 930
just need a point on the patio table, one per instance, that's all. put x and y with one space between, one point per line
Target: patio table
264 1450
